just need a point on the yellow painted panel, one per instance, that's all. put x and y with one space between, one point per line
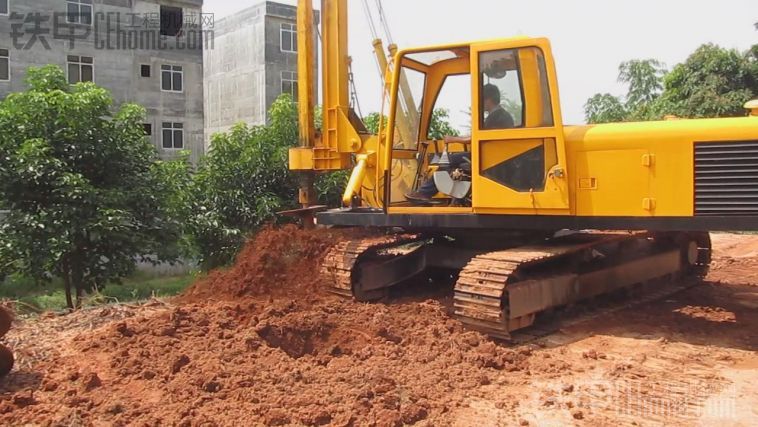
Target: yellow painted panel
670 145
612 183
301 158
489 195
672 179
496 152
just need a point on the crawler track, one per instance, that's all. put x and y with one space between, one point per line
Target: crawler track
481 288
339 266
542 329
503 291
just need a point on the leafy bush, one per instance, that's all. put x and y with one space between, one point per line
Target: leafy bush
242 183
331 186
85 192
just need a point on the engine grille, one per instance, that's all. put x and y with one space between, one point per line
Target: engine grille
726 178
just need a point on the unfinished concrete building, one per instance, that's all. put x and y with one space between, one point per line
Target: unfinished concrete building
145 51
253 61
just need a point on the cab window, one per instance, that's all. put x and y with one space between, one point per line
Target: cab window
501 95
451 115
514 89
408 109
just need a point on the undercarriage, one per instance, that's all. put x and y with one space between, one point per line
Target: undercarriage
504 281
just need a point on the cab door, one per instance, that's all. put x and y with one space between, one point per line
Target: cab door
518 148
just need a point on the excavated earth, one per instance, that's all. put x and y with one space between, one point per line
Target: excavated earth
261 344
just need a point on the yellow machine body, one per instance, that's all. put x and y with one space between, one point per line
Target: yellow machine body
520 202
537 168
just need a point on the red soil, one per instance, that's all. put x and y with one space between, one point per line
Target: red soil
258 344
277 262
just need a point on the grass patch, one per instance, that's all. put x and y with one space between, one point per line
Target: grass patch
50 296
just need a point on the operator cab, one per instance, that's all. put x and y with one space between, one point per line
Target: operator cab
463 139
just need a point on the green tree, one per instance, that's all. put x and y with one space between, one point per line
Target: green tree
83 186
604 108
712 82
242 182
644 79
372 122
439 127
330 186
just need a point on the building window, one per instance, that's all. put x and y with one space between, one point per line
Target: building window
289 83
79 11
173 136
4 7
80 69
145 70
172 20
5 65
172 78
147 128
288 38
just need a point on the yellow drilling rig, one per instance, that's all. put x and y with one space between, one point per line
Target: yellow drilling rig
529 213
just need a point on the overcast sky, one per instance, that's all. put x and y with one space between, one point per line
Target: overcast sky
589 37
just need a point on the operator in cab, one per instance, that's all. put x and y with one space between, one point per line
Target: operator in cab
495 118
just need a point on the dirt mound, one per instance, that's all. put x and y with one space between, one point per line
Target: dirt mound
284 363
277 261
